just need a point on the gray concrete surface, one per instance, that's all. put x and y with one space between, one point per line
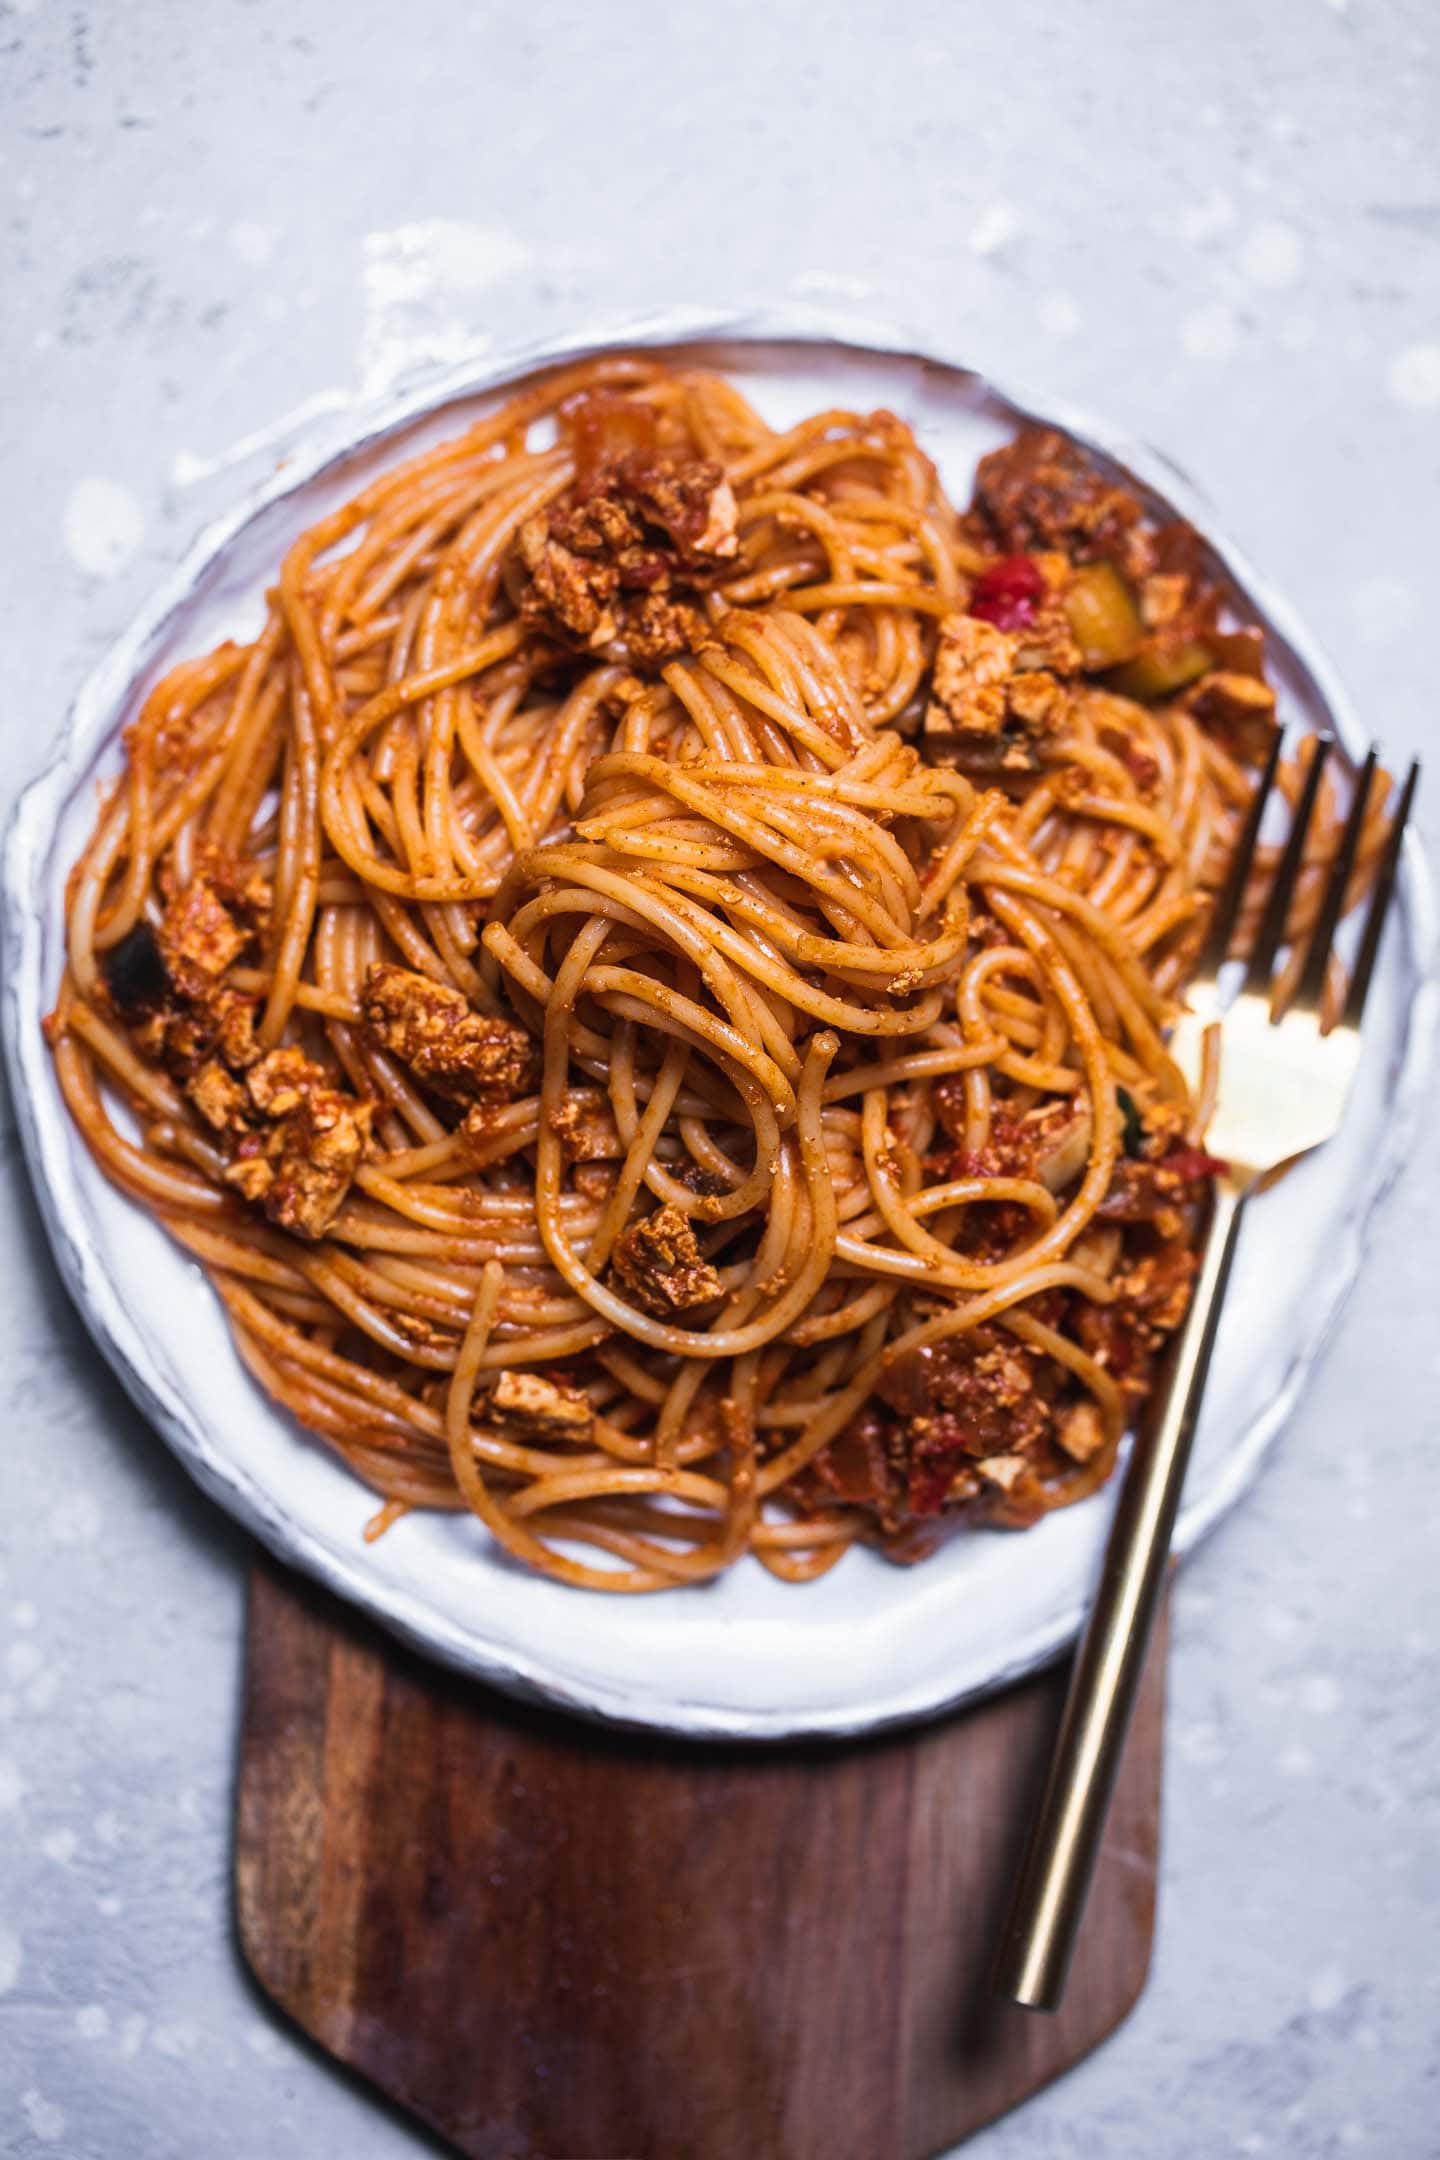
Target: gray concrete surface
1219 222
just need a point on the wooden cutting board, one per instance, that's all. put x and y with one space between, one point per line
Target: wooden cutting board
555 1942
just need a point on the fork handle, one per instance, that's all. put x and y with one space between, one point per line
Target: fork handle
1044 1920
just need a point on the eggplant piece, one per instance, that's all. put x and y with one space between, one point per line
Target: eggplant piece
135 974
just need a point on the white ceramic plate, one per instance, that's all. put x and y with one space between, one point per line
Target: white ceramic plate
747 1657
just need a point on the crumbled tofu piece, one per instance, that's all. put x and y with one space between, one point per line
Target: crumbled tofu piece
578 591
974 662
585 1125
279 1081
251 1175
1240 709
1037 700
219 1098
1002 1470
313 1155
235 1018
595 1181
719 537
1162 598
536 1408
301 1163
239 883
613 565
1040 491
421 1332
1081 1432
658 629
433 1029
1048 642
660 1262
199 938
690 498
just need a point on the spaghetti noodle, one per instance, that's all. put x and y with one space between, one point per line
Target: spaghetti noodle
645 985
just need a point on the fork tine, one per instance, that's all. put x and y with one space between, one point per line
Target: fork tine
1272 923
1379 904
1237 877
1311 986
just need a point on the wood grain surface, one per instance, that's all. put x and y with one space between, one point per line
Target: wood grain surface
551 1941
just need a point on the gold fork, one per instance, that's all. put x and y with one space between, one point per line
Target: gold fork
1283 1088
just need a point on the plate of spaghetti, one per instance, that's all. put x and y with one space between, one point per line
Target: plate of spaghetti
588 994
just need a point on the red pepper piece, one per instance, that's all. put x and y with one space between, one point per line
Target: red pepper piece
1008 593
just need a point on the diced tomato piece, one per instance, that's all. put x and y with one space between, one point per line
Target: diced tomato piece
1192 1164
1008 593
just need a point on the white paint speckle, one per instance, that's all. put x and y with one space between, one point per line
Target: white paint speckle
1413 377
1327 1988
180 2039
1253 2142
1296 332
92 2022
1209 333
1059 316
187 468
22 1661
1280 1624
121 1709
110 1905
1273 257
254 244
12 1786
833 284
47 2122
1297 1762
60 1846
132 2033
25 1615
998 226
107 1827
263 2041
43 1689
1353 2133
1320 1693
1205 221
77 1520
12 1957
103 525
421 283
1200 1743
409 263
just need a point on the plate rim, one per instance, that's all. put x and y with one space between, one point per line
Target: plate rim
362 427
